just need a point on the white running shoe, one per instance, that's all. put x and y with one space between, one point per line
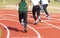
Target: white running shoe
22 22
48 17
39 18
36 21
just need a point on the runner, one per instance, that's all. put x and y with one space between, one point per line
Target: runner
23 14
36 8
44 4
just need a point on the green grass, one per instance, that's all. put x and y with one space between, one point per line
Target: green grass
10 1
51 10
55 5
52 3
0 32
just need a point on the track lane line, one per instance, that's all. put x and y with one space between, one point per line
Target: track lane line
8 33
28 18
33 19
39 36
51 25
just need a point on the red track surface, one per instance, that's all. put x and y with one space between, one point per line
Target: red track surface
47 28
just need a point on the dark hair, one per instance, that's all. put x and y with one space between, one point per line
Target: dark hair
22 0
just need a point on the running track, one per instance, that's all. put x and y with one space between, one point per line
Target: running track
45 29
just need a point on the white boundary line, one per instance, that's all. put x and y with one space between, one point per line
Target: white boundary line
44 21
39 36
33 19
8 33
28 18
9 14
51 24
32 27
27 25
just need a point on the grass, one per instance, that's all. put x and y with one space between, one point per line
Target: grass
54 6
0 32
52 3
51 10
10 2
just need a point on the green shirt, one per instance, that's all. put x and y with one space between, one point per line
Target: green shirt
22 6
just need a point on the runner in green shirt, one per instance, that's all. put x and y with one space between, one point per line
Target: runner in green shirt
23 13
23 6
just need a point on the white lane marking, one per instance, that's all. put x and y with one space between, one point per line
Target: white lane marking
56 19
39 36
44 21
27 25
51 24
33 19
8 33
28 18
8 14
43 27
